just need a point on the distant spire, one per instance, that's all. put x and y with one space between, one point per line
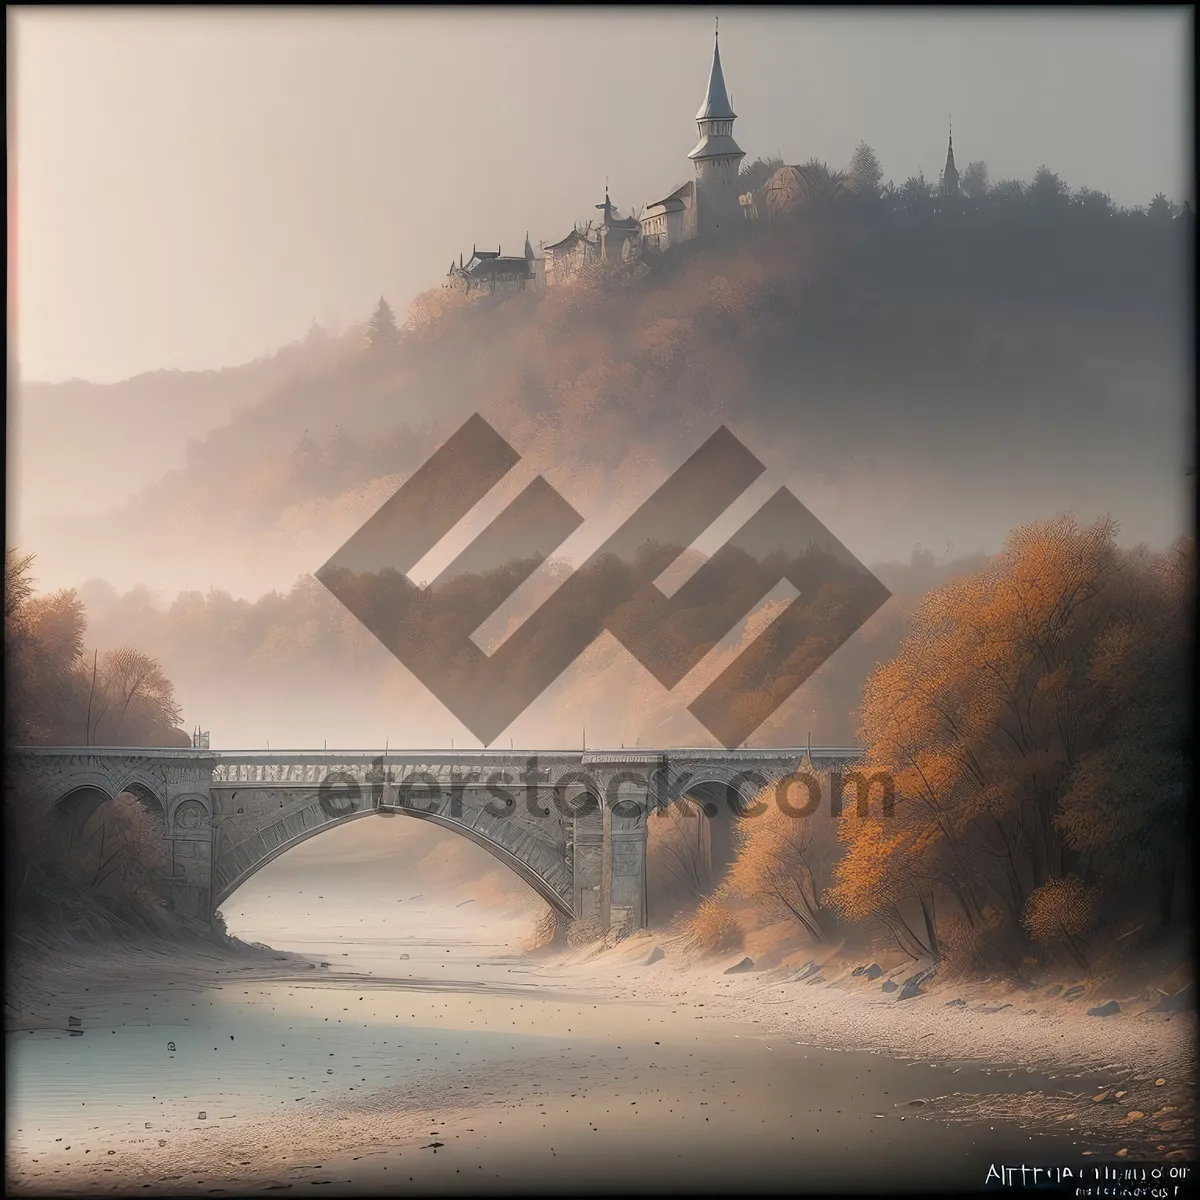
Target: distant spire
528 246
950 174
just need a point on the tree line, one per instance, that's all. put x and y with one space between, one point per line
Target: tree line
58 695
80 871
815 184
1033 723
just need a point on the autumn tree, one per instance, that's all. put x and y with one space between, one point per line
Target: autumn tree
58 695
43 646
1125 808
130 700
713 928
1062 912
784 860
1032 724
432 311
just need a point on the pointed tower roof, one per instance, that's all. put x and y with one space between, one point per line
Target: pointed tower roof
528 246
716 106
950 174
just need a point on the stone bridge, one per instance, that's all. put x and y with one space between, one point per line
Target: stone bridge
573 824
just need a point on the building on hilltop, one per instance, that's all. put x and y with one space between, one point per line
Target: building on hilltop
537 264
670 220
703 206
710 202
614 239
566 259
620 237
717 157
490 273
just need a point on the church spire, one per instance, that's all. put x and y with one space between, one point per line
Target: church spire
950 174
716 106
715 122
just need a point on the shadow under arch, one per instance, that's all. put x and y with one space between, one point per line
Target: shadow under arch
510 860
705 813
81 802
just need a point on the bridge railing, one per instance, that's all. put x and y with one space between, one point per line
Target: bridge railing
621 754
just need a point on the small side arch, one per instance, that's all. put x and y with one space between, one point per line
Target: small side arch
80 803
146 789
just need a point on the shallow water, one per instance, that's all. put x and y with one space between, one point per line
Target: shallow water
525 1081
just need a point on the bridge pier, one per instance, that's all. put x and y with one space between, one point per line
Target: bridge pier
190 840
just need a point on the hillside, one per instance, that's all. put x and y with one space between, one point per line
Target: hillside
921 382
78 448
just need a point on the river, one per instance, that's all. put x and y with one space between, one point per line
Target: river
431 1052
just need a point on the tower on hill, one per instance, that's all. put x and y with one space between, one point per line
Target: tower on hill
717 157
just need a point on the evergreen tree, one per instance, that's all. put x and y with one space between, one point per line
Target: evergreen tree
381 333
1160 208
1047 193
864 172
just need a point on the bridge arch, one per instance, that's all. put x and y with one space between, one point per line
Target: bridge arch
271 852
77 807
501 854
696 833
69 791
84 798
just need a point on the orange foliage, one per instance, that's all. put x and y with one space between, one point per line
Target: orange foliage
1032 723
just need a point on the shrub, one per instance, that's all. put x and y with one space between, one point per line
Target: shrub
1062 912
713 928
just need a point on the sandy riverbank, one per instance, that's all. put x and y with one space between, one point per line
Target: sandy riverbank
1147 1047
481 1074
45 987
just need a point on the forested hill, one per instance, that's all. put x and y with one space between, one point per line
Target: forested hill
111 440
930 376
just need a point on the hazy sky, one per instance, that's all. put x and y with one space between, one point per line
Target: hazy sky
195 188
